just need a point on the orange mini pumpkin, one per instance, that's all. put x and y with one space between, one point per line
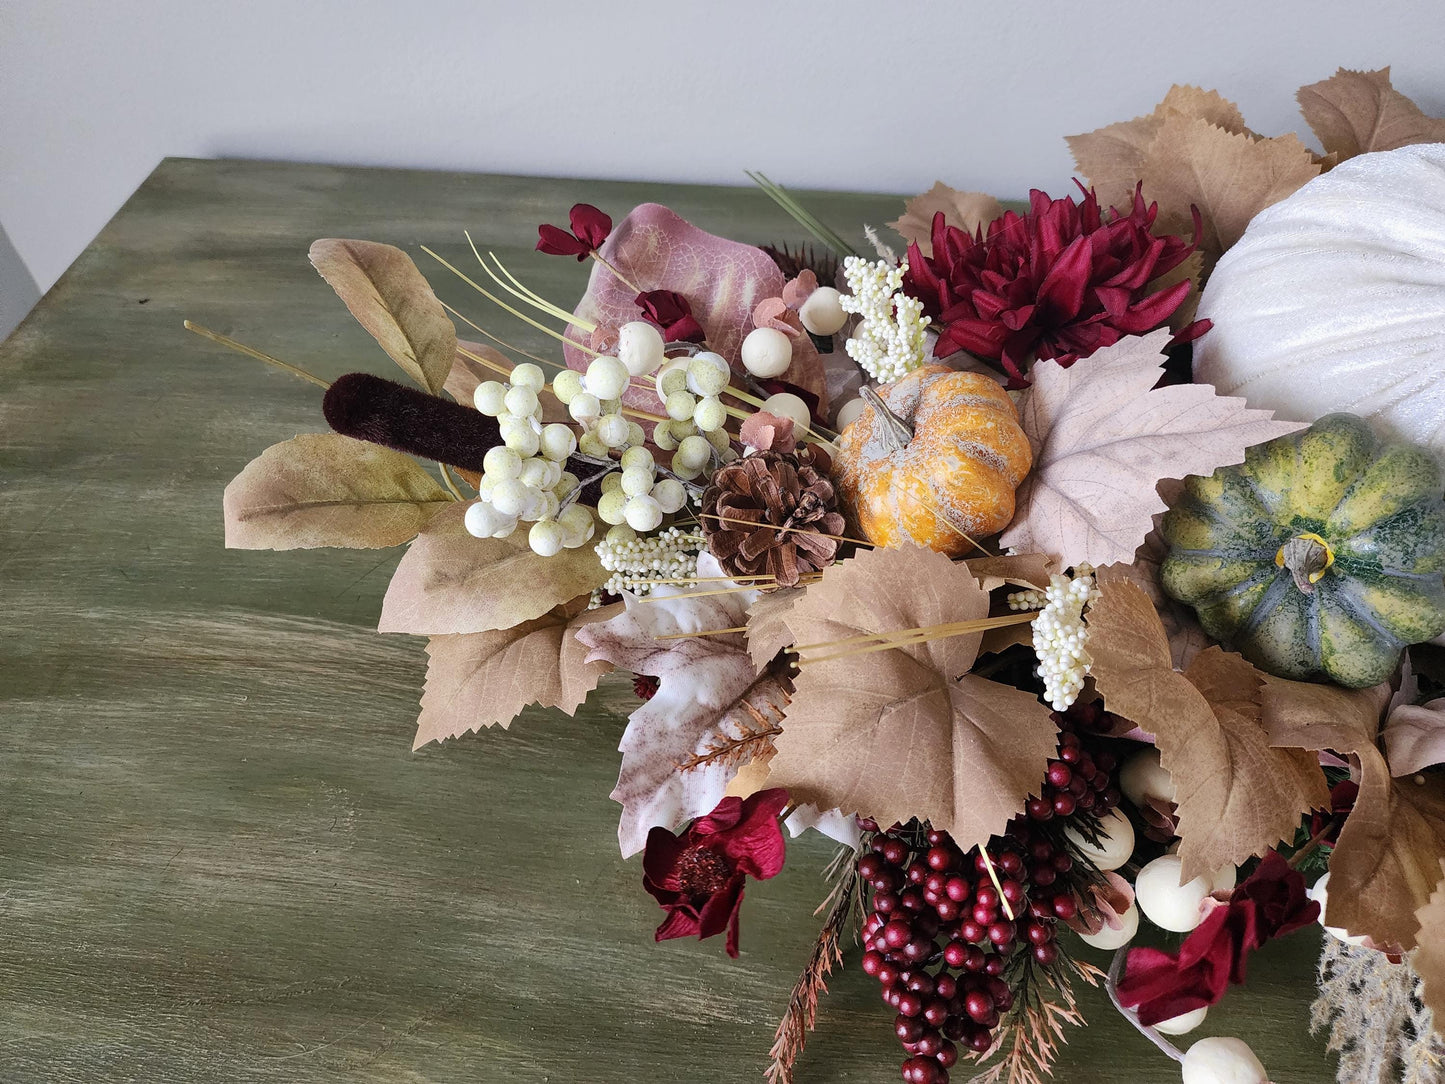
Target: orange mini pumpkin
936 448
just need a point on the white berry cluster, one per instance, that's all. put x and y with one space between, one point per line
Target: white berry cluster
523 478
889 342
1060 635
635 496
1029 599
668 555
689 390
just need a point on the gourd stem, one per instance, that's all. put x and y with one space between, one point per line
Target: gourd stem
896 431
1307 557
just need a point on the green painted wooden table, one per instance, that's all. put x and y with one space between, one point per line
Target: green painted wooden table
219 858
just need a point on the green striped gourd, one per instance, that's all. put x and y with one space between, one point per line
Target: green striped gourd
1321 556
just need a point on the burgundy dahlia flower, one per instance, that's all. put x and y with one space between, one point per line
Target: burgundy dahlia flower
1269 904
590 228
1058 282
698 876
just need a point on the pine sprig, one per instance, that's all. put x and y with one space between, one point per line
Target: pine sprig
1030 1036
843 904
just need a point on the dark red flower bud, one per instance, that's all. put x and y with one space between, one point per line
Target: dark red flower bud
590 228
671 312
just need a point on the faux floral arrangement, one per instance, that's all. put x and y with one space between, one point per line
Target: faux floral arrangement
1008 561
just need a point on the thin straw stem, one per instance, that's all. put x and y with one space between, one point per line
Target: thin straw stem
252 352
499 341
495 300
997 886
521 293
919 636
771 527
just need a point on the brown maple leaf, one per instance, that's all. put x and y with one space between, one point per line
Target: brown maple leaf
1354 112
907 732
1229 176
965 210
1387 859
1237 795
451 582
483 679
768 631
1113 158
1103 438
1430 957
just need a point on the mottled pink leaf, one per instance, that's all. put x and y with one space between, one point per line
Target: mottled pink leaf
706 684
1415 737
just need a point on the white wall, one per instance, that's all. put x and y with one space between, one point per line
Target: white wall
845 94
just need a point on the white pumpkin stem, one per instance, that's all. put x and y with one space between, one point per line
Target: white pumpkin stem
896 431
1307 557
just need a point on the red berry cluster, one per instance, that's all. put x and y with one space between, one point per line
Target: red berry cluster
939 938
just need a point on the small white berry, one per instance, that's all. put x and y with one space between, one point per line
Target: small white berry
663 438
639 347
670 495
692 453
643 514
708 374
848 413
1222 1060
566 384
606 377
501 463
577 526
558 441
822 312
521 402
611 506
490 397
680 406
767 352
527 375
709 415
509 497
612 430
545 538
636 481
524 441
590 444
1164 901
787 405
584 407
637 456
483 520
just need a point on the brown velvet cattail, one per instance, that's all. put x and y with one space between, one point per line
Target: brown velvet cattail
383 412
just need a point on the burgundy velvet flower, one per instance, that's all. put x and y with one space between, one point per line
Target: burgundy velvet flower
698 876
1058 282
671 312
590 228
1269 904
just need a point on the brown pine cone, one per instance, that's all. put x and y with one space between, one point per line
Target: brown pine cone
768 491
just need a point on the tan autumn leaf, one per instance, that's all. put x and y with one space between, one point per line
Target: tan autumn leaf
965 210
467 372
1414 737
1237 795
1113 158
1187 637
324 489
1430 956
452 583
1354 112
1104 437
1229 176
392 300
1018 570
768 631
1387 859
483 679
907 732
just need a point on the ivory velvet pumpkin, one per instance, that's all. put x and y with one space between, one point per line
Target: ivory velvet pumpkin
1334 299
937 447
1321 556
